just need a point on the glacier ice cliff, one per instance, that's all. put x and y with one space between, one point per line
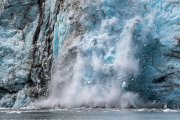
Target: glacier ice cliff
26 32
106 53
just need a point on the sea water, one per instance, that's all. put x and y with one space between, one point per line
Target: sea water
90 114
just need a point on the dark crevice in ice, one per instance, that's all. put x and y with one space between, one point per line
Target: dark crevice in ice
36 36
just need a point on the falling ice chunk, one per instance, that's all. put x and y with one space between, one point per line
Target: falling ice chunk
124 85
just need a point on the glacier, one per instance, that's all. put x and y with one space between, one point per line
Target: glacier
106 53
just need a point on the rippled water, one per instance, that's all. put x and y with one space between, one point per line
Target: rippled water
90 114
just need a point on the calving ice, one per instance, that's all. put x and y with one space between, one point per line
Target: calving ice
98 53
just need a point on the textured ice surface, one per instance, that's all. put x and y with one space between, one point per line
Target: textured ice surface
26 32
106 52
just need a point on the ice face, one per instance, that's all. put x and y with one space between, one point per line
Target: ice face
105 53
161 68
26 32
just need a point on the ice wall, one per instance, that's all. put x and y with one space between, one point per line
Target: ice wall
161 74
26 32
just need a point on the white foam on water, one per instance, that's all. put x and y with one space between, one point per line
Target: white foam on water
170 110
14 112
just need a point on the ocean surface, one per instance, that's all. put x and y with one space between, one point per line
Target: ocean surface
90 114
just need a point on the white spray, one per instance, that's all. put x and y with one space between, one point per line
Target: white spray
94 70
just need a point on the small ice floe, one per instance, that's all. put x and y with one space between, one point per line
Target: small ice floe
14 112
169 110
29 108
